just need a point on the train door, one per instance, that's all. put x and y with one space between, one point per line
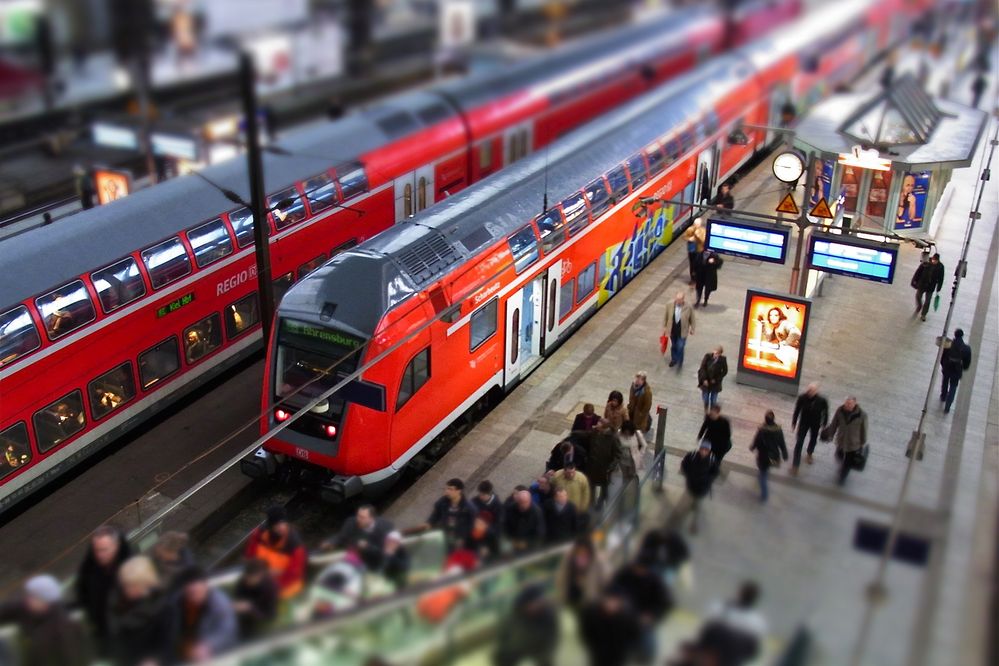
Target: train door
550 313
780 96
414 192
517 142
704 185
523 331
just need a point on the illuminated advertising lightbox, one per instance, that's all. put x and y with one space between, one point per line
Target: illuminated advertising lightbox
753 240
853 257
111 185
774 329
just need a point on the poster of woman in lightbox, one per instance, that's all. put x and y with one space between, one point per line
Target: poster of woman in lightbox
912 200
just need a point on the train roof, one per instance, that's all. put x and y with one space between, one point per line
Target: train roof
406 258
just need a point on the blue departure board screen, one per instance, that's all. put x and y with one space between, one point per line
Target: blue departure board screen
853 257
766 242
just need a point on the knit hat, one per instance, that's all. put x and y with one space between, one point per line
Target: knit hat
276 514
44 588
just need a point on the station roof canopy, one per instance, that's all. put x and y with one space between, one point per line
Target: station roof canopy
903 123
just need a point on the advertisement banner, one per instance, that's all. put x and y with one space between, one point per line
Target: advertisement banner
823 180
111 185
774 329
912 200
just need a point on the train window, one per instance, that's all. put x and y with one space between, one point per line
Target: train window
242 224
282 285
166 262
596 192
483 324
287 207
657 159
524 149
310 266
431 115
636 168
524 248
18 335
712 122
16 451
321 192
352 179
688 139
407 201
111 390
158 362
241 316
421 194
202 339
59 421
210 242
486 155
417 374
552 295
343 247
118 284
618 181
587 282
552 229
576 215
565 297
65 309
673 149
513 149
515 333
397 124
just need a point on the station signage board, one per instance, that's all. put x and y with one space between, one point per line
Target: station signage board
853 257
774 331
749 239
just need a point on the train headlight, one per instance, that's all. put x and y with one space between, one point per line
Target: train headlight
330 431
281 415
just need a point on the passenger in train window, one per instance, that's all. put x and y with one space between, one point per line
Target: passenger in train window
195 346
15 455
59 321
69 419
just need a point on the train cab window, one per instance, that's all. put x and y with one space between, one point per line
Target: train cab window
282 285
320 191
596 193
636 169
59 421
552 229
352 179
18 335
421 194
310 266
688 139
241 316
417 374
210 242
16 451
166 262
587 282
618 180
111 390
287 207
118 284
242 224
576 215
712 122
657 159
343 247
524 248
482 325
158 363
65 309
673 149
202 339
565 297
407 201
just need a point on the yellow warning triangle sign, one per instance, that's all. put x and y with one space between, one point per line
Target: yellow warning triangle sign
822 210
787 205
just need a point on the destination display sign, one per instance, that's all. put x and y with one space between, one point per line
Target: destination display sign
744 238
175 305
853 257
318 333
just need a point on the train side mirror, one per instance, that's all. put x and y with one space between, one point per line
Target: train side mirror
737 137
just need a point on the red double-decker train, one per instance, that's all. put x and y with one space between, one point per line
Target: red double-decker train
379 350
108 317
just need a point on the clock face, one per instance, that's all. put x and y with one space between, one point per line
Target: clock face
788 167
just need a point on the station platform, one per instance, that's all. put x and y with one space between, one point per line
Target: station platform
863 340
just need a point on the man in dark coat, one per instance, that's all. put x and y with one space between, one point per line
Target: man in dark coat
486 499
954 361
811 414
602 457
48 635
566 452
97 577
523 523
203 623
365 533
718 431
453 514
929 277
706 276
530 632
714 367
561 518
725 198
649 598
609 629
699 469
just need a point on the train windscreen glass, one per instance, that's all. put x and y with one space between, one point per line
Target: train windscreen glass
312 359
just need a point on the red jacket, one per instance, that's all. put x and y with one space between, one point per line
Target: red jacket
286 558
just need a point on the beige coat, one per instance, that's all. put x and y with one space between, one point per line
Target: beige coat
698 234
577 488
686 319
594 580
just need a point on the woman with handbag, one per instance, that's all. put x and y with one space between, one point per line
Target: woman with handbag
849 427
770 448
